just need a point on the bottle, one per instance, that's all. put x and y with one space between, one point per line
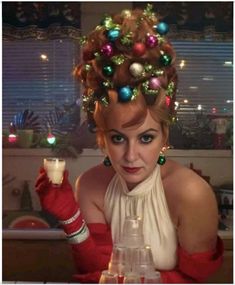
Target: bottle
26 200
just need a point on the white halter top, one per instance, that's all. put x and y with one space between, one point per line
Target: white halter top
147 200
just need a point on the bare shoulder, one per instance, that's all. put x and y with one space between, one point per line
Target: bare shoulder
183 182
192 206
94 181
90 191
185 189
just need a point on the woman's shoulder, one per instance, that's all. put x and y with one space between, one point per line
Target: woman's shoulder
95 179
182 183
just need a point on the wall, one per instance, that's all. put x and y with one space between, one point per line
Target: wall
24 164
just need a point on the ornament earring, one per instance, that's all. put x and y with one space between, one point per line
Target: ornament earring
161 159
107 161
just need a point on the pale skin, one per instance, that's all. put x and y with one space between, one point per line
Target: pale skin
191 201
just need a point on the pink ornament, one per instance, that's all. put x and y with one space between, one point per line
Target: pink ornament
151 41
107 50
154 83
168 101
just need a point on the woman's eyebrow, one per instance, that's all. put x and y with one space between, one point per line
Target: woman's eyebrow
146 131
149 130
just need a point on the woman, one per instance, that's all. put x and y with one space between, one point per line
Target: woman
130 84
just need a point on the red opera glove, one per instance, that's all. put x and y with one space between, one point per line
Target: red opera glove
58 200
91 245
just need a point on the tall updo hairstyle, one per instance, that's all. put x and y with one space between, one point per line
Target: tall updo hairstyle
128 63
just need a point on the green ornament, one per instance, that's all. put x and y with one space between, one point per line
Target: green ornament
104 100
148 12
82 40
107 22
97 55
157 72
148 67
118 59
165 59
127 39
161 159
170 89
107 84
134 93
108 70
87 67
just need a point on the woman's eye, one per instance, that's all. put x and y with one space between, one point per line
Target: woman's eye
146 138
117 139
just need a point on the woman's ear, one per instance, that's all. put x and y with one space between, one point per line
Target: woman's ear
165 134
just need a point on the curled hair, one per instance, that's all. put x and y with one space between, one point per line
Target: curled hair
128 50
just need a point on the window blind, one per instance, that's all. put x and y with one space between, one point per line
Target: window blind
205 71
37 75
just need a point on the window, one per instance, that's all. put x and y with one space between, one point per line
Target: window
205 71
37 75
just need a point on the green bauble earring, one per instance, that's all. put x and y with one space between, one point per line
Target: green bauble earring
107 161
161 159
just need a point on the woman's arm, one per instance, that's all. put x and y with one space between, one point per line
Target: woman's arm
199 250
91 243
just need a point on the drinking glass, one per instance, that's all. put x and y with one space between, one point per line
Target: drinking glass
55 168
143 260
131 278
108 278
119 260
152 277
132 234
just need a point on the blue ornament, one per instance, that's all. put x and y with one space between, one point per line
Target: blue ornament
162 28
113 34
125 94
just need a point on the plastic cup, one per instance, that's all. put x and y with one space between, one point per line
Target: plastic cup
55 168
108 278
152 277
119 260
132 234
131 278
143 260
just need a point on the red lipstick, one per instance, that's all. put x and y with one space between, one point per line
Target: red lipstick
131 169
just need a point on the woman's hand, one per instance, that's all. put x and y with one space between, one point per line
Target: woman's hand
58 201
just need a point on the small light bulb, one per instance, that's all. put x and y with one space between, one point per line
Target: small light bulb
51 139
12 138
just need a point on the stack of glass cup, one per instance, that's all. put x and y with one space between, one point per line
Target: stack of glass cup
131 260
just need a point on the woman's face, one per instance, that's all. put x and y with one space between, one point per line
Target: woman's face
133 151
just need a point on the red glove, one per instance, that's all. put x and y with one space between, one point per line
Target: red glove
196 267
58 201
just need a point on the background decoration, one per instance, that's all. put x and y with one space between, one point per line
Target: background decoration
41 20
195 20
27 120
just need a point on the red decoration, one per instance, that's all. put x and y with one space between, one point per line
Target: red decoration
168 101
139 49
12 138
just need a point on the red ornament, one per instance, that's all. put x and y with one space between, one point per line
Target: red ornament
168 101
139 49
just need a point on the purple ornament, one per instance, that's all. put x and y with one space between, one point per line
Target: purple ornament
154 83
151 41
107 50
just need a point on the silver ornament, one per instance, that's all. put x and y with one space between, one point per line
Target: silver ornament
126 13
136 69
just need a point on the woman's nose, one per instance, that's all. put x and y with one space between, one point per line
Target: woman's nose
131 154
